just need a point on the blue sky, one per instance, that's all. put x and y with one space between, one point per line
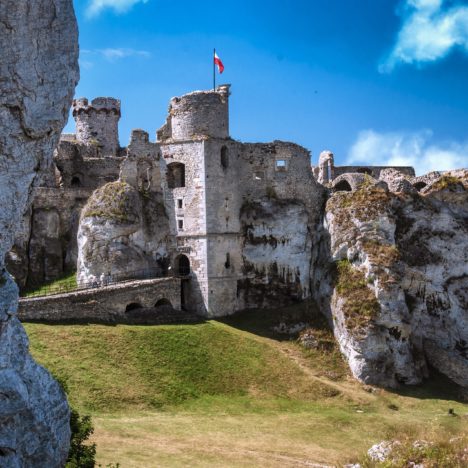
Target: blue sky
377 81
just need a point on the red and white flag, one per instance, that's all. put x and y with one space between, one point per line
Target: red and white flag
218 62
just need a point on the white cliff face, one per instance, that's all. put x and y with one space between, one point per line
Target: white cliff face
399 300
121 232
38 74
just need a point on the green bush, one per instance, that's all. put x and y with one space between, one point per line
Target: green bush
81 455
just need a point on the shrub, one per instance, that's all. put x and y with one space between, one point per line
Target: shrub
360 303
81 455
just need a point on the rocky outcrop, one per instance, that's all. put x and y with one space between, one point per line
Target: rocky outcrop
395 284
122 231
38 74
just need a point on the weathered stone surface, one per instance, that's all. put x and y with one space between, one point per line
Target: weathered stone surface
397 181
38 73
399 301
107 304
276 252
121 231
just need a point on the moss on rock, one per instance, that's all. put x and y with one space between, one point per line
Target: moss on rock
116 201
360 304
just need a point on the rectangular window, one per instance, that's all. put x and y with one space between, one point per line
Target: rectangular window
179 203
180 223
281 165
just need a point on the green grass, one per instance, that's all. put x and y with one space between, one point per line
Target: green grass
231 393
63 284
143 367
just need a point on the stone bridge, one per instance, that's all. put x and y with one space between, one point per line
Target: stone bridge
114 303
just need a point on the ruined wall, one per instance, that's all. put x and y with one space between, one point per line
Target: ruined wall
38 74
250 258
373 171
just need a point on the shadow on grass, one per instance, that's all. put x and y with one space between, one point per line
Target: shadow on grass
436 387
262 322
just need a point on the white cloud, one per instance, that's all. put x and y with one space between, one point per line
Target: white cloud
119 6
111 54
429 32
407 149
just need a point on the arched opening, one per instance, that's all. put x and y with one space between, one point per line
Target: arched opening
224 157
419 186
343 186
163 303
76 181
227 263
364 170
175 175
133 306
183 265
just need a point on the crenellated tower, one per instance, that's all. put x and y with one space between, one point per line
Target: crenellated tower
97 123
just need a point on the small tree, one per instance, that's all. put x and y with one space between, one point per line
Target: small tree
81 455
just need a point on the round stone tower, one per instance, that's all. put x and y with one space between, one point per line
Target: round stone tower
97 123
200 114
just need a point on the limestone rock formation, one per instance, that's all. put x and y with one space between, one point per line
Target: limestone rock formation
395 284
38 74
122 231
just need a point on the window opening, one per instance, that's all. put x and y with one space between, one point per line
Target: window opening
224 157
175 175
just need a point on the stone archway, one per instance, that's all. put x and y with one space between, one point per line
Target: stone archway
182 265
343 186
166 303
133 306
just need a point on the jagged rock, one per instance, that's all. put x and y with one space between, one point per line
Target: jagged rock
399 299
38 74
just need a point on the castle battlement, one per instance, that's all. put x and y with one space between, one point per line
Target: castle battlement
99 104
97 123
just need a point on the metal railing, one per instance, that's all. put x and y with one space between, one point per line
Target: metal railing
105 280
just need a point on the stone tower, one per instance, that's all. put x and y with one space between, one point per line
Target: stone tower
97 123
197 122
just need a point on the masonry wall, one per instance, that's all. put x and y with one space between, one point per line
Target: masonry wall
190 236
250 260
374 171
106 304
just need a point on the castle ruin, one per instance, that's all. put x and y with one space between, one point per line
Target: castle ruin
239 219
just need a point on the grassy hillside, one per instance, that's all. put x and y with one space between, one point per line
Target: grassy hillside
230 393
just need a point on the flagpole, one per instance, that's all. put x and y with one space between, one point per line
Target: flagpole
214 71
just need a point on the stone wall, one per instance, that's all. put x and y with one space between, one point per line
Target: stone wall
106 304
